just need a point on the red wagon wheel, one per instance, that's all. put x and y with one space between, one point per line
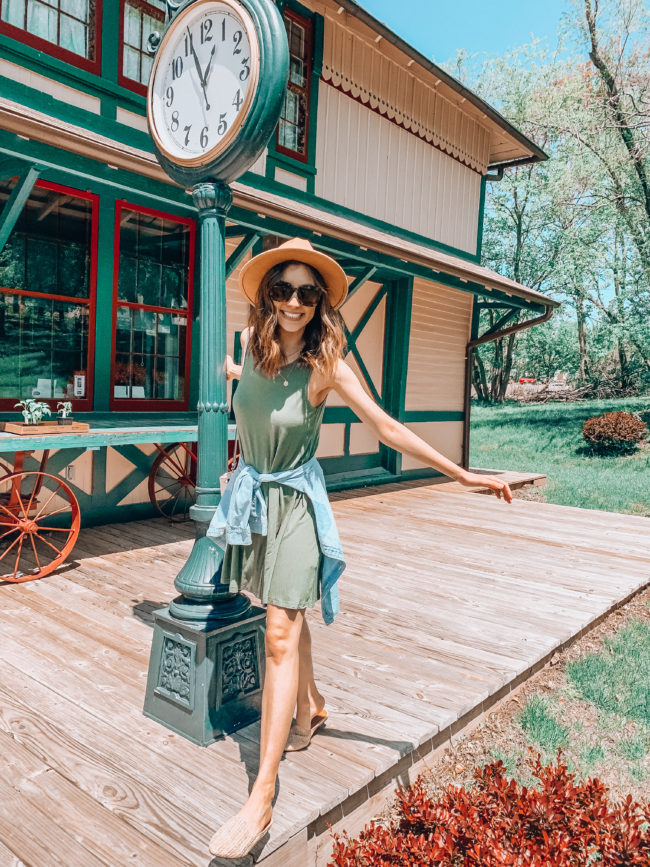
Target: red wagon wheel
33 541
172 481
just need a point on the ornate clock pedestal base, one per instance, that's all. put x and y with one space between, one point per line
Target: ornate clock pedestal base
206 683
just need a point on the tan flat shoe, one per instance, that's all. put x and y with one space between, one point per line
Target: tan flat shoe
234 839
299 738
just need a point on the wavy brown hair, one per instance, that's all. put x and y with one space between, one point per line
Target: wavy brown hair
324 336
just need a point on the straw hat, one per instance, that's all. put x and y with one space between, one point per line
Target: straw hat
297 250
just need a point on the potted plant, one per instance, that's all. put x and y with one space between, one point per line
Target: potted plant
64 410
33 410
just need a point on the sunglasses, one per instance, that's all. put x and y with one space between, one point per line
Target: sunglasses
308 295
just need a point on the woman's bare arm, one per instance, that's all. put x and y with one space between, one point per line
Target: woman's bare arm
233 371
397 436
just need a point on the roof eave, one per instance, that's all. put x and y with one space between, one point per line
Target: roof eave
537 154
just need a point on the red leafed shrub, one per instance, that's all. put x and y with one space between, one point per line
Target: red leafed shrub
561 822
614 432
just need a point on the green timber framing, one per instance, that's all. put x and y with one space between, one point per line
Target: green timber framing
27 159
110 96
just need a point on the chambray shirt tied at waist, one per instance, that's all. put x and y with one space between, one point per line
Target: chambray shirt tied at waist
242 511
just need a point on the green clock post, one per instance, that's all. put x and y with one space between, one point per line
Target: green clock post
215 95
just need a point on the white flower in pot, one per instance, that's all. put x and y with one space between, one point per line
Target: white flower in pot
33 410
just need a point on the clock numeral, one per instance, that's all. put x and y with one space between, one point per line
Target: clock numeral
223 124
236 38
237 101
204 137
174 124
187 133
206 30
177 68
246 71
223 30
188 44
169 93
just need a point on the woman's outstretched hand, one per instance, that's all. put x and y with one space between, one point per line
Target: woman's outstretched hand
233 371
499 487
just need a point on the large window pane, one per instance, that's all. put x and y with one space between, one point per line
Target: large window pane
45 342
292 127
69 24
140 20
44 339
151 332
50 247
13 12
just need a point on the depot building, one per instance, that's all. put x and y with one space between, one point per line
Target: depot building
380 159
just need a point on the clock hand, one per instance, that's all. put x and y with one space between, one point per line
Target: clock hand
198 69
208 68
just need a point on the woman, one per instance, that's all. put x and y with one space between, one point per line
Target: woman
274 521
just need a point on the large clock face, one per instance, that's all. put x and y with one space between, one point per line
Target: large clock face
203 81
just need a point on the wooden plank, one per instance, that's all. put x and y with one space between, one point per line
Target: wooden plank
78 814
9 858
435 621
35 837
44 428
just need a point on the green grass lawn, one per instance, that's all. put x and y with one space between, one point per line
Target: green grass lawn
599 717
547 438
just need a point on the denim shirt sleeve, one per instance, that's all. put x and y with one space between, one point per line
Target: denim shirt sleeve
242 511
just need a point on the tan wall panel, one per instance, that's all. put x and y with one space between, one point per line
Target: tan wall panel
370 344
362 440
331 441
370 165
371 352
440 329
445 436
82 469
81 472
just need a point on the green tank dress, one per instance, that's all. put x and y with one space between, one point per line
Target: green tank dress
278 430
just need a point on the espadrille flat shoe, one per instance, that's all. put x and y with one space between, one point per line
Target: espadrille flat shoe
234 839
299 738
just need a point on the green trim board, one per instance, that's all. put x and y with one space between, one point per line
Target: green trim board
73 170
65 73
481 219
396 353
101 123
344 415
98 438
16 202
388 267
104 303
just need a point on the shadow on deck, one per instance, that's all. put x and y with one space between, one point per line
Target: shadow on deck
448 602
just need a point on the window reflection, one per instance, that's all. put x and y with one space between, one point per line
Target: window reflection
153 300
45 284
70 24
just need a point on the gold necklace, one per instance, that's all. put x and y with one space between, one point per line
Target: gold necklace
291 358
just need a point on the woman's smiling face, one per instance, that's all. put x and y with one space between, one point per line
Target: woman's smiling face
292 315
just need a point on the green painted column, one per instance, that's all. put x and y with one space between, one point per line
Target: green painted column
206 669
203 597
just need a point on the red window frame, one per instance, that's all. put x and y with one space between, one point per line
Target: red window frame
127 404
54 50
308 25
84 404
123 80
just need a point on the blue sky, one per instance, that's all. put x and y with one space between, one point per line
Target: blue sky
438 28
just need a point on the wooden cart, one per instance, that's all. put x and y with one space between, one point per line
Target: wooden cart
39 512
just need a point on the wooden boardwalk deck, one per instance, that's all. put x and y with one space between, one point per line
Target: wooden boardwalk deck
448 600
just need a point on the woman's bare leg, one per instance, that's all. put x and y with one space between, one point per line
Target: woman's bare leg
310 701
283 631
